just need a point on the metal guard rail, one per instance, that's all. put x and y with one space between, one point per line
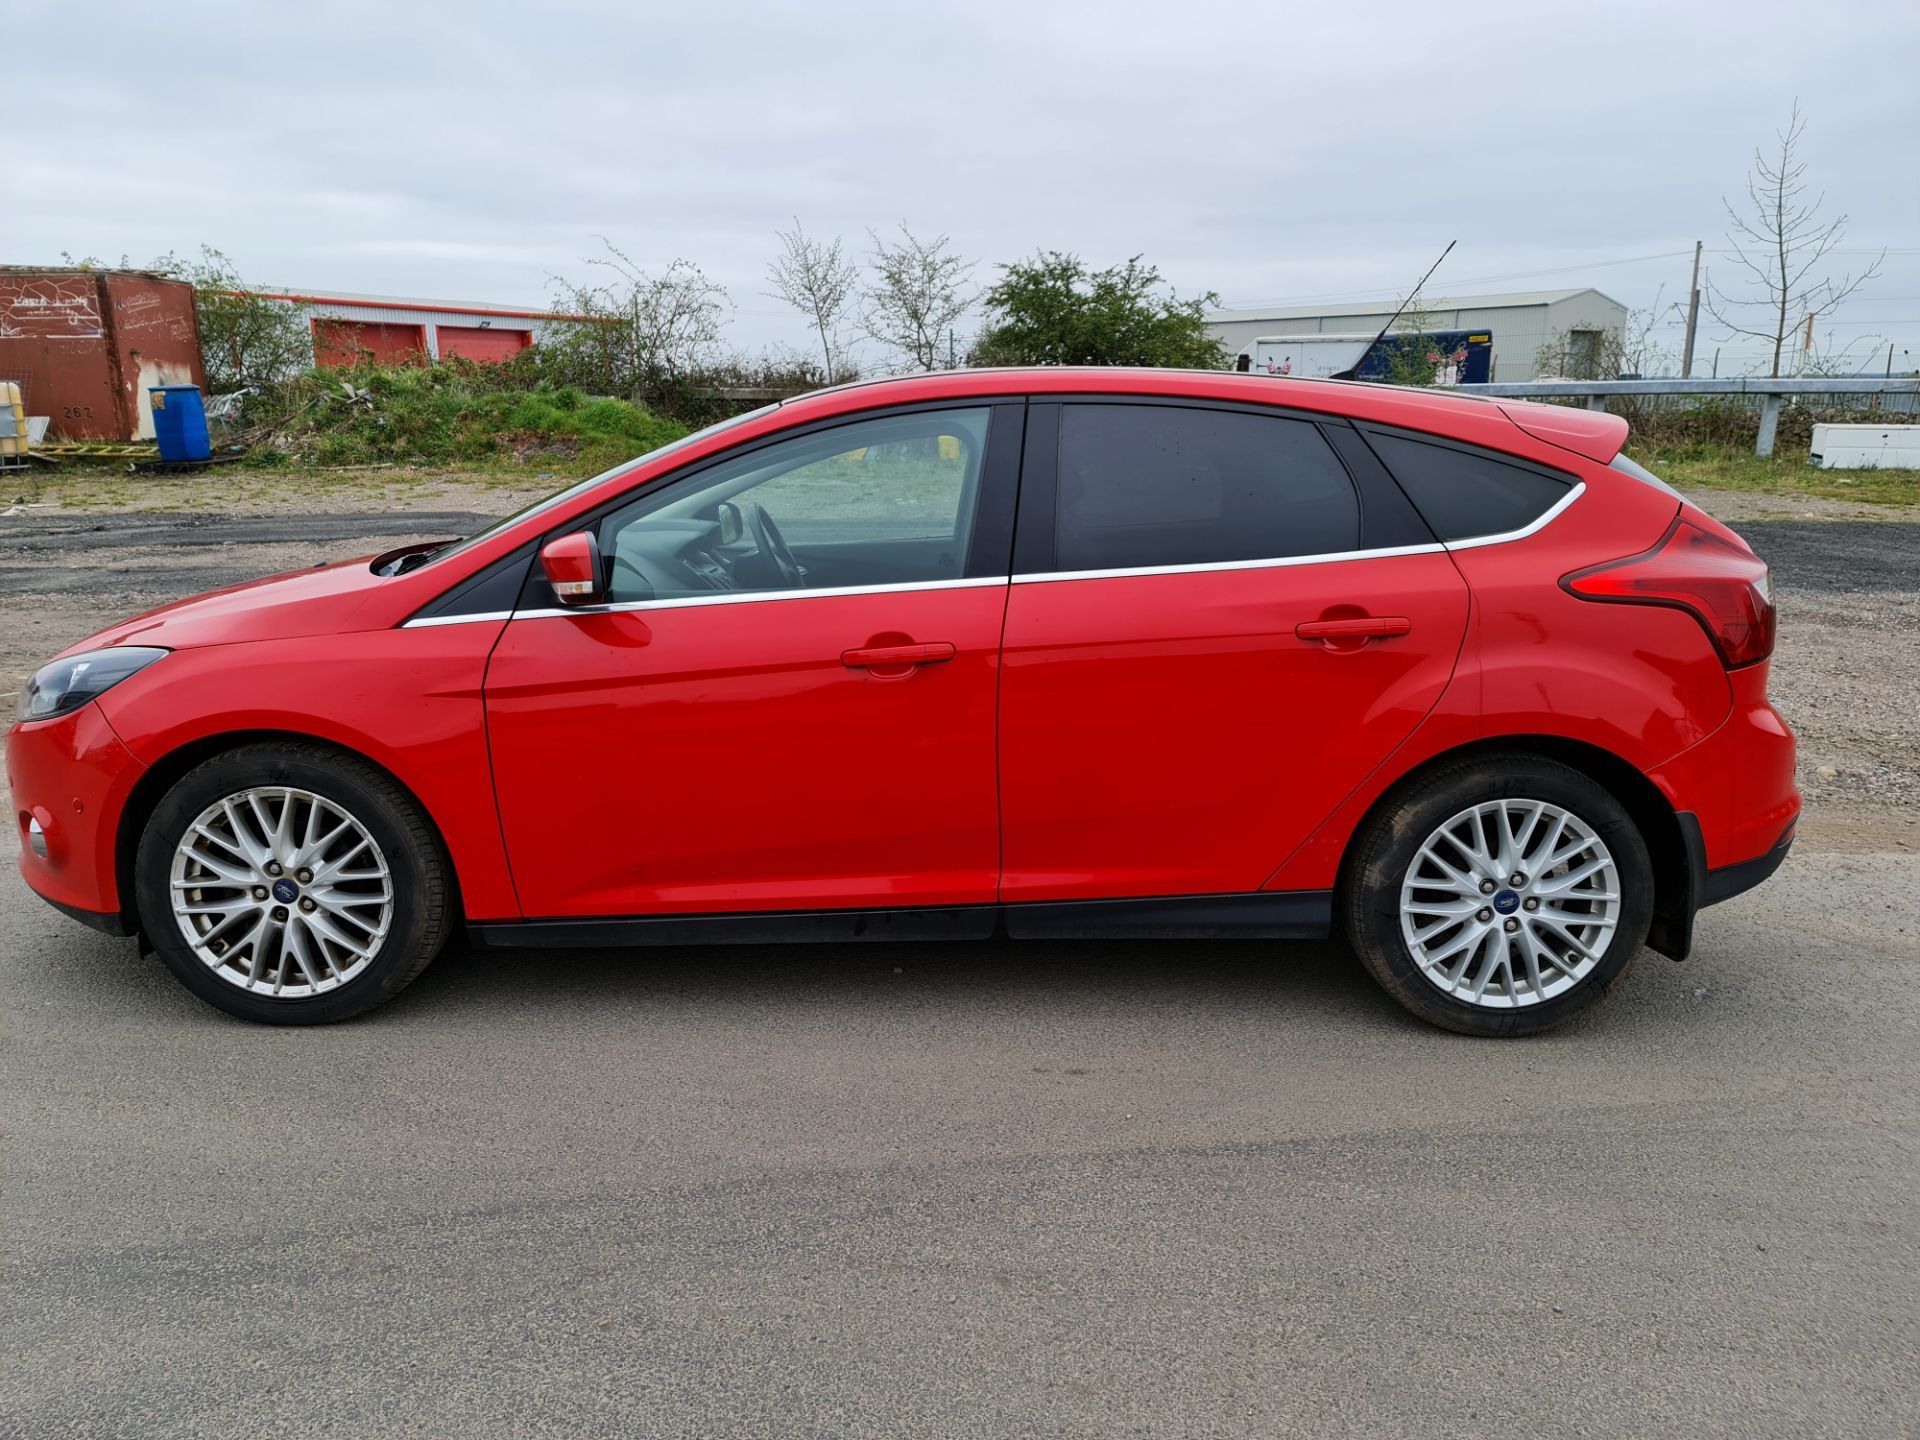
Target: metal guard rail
1772 393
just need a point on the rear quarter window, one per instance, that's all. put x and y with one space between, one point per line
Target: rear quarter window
1644 476
1464 493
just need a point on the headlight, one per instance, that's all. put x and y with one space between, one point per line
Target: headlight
65 685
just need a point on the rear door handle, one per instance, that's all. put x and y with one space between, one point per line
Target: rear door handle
1361 628
879 657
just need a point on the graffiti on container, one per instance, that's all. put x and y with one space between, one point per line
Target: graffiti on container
49 307
142 313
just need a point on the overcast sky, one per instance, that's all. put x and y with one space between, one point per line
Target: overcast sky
1272 152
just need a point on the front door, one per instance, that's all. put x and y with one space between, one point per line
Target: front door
788 701
1210 642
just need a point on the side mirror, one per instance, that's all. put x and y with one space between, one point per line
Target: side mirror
572 567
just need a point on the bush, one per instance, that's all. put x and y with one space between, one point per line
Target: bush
454 413
1052 310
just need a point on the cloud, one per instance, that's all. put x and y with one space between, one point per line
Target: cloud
1265 152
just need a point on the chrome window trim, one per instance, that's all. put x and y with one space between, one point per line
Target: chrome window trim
1546 518
479 617
691 602
1206 567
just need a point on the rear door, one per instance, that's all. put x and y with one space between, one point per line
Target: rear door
1221 619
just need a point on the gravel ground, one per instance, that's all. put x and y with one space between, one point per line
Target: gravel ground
1847 576
1847 672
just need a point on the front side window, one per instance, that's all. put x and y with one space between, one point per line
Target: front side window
886 501
1142 486
581 487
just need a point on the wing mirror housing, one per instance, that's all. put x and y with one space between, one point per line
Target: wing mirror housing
572 567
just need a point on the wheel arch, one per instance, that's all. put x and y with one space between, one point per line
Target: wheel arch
1660 826
162 775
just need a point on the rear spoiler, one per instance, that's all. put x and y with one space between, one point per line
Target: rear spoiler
1592 433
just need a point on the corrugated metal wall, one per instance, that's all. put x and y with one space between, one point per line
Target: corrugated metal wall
1563 317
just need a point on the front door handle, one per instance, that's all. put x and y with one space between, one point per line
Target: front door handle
1353 631
893 657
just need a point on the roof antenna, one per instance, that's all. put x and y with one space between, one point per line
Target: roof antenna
1353 370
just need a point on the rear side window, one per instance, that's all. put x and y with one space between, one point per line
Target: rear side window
1149 485
1467 493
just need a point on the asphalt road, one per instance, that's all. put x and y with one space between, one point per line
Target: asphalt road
1093 1189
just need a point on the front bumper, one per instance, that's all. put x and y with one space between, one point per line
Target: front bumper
72 776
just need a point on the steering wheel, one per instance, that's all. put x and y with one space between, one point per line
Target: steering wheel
773 545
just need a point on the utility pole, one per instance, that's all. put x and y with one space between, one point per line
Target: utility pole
952 363
1806 344
1693 314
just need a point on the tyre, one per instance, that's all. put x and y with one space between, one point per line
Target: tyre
292 884
1500 895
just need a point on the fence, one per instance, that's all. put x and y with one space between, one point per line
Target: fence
1901 395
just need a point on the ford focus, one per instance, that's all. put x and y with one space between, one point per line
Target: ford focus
1044 653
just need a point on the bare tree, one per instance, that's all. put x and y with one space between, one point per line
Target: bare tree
641 334
916 297
814 278
1778 246
1827 357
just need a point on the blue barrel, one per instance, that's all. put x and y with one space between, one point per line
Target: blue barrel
180 423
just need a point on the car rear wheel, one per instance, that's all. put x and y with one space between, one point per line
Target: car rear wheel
292 884
1500 896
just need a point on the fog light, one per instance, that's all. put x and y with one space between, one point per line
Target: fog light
37 838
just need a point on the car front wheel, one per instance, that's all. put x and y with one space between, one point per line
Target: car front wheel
292 884
1500 896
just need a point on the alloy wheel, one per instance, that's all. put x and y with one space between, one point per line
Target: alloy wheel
281 892
1510 903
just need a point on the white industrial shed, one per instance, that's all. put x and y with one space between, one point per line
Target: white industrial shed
1521 324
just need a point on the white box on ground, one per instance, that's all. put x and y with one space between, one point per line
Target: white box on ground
1865 447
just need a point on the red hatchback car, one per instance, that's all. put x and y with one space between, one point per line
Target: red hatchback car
1043 652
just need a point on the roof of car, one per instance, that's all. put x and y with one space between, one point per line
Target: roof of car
1120 379
1473 418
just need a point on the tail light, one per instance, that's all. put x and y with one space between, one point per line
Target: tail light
1718 581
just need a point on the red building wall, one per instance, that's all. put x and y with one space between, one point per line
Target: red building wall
471 342
356 342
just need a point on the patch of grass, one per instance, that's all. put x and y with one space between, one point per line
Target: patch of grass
1703 467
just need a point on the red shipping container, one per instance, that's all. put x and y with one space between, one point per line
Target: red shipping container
87 345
